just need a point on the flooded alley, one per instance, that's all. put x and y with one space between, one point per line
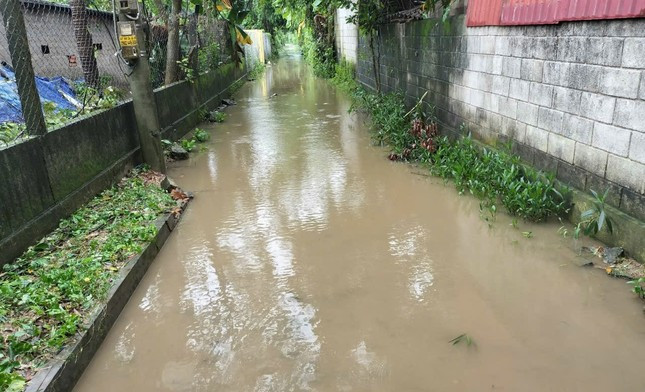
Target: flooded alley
308 261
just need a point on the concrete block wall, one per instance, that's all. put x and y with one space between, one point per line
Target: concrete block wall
346 36
571 96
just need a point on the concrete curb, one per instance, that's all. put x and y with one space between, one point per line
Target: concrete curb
63 371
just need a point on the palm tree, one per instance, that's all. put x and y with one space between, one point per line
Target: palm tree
80 21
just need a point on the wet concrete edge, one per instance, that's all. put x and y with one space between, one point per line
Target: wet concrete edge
63 371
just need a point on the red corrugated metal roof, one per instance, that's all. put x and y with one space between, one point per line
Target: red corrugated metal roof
600 9
483 12
531 12
528 12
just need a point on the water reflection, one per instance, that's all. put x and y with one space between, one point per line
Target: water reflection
409 247
124 349
307 261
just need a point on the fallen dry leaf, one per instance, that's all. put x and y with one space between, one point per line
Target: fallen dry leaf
178 194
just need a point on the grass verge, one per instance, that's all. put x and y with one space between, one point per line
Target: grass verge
495 176
47 294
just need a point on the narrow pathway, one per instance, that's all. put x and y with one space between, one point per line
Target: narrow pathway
308 261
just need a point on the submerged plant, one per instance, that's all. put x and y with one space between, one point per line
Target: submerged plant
465 338
218 116
638 287
594 219
494 176
188 144
201 135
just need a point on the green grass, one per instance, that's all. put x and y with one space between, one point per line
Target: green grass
48 292
345 76
495 176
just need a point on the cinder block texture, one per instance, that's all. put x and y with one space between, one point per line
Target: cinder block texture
571 96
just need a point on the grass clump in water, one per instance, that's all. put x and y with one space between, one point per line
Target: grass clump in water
494 176
49 292
345 76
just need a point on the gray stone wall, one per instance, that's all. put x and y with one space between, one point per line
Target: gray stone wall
571 96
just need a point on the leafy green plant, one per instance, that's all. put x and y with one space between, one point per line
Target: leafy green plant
638 287
345 76
204 114
234 12
188 144
11 131
201 135
95 99
209 56
186 69
594 219
91 100
47 293
218 116
257 71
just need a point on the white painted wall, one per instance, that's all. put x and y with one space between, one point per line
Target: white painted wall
346 37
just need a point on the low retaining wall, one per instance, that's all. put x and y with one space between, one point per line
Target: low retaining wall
63 371
46 179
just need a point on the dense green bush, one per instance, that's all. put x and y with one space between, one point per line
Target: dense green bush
318 54
209 56
345 76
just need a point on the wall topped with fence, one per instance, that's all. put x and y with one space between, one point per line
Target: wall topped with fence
69 52
47 178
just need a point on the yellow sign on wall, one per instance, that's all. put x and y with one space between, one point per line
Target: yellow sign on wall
128 40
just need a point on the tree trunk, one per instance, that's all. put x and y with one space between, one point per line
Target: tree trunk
80 22
193 40
375 65
172 49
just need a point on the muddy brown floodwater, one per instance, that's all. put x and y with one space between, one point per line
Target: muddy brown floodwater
308 261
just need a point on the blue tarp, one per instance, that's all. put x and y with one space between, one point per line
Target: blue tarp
55 90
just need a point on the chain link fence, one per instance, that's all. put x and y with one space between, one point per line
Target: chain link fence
74 68
203 44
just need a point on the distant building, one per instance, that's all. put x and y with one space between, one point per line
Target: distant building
53 45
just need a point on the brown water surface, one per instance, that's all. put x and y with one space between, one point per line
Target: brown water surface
308 261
